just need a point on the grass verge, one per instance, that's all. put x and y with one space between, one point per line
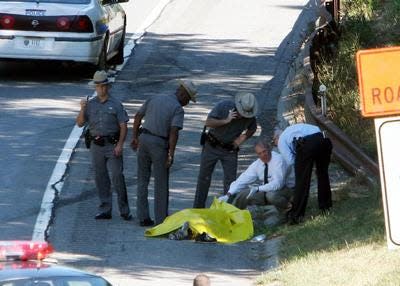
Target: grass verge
346 247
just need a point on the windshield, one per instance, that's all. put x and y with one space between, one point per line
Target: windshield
52 1
58 281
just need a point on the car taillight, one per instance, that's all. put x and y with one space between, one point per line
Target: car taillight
83 24
24 250
63 23
75 24
7 22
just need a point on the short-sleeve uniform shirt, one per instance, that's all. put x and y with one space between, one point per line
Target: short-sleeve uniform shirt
285 142
104 118
161 112
229 132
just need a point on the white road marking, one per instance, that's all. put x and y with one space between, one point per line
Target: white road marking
56 182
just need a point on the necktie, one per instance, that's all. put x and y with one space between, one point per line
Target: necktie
266 174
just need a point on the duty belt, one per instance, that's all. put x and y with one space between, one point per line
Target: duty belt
146 131
102 140
300 141
215 142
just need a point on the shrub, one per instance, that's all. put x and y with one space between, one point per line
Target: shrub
364 19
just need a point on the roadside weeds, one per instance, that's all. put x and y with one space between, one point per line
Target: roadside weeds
345 247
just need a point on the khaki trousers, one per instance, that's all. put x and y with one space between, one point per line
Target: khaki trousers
279 199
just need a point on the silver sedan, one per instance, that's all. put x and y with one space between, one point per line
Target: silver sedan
91 31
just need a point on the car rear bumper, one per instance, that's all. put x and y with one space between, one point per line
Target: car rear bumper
79 49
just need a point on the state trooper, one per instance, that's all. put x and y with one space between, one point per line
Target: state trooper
156 139
230 123
106 121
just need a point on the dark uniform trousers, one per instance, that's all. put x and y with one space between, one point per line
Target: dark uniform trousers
209 158
310 149
103 162
153 150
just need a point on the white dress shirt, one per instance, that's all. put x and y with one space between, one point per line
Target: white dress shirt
277 172
285 143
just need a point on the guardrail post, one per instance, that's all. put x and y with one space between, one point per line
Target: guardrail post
330 6
333 8
322 96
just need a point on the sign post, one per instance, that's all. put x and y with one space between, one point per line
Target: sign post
379 86
387 132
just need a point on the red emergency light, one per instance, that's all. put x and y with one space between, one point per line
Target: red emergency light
24 250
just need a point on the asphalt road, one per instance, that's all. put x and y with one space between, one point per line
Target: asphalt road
224 47
38 104
37 101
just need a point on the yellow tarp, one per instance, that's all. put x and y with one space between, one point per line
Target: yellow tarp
222 221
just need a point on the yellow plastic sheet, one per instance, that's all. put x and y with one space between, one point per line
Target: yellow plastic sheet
222 221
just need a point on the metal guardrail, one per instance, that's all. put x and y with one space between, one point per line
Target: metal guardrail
333 7
345 151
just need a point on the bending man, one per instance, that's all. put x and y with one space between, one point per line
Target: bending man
231 123
156 146
301 145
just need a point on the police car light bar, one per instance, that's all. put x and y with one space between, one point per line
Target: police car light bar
24 250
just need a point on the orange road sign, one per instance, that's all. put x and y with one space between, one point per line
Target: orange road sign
379 81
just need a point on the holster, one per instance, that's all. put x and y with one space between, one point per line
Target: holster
113 139
298 143
87 137
203 136
214 142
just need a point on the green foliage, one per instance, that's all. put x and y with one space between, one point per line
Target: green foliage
359 8
363 21
339 76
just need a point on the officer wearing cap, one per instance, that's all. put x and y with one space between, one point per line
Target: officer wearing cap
230 123
107 122
155 139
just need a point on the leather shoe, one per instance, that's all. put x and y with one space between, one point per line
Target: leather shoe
103 216
146 222
127 216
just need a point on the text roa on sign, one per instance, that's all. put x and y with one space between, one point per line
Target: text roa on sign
379 81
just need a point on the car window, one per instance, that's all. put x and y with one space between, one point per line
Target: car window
53 1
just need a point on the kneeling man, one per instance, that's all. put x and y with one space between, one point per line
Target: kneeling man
265 182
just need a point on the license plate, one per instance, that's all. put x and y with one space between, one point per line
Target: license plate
33 43
37 44
35 12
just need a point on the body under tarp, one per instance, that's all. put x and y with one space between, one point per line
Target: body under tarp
222 221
